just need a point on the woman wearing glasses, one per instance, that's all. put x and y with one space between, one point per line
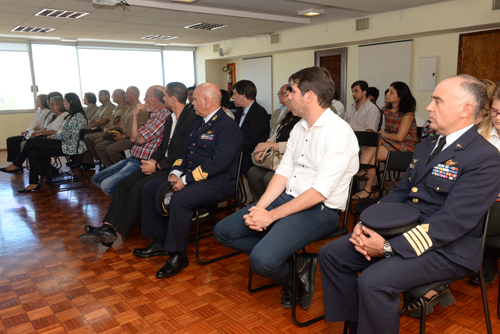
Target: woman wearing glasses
490 126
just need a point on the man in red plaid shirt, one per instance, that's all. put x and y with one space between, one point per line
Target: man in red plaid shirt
147 138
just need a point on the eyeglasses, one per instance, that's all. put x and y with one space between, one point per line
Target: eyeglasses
493 112
280 93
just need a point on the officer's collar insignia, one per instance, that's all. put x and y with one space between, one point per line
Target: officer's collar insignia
214 118
451 163
458 145
433 141
209 132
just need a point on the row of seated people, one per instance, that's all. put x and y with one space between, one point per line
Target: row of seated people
309 189
60 137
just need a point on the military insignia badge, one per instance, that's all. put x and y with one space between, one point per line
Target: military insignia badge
415 161
214 118
207 137
209 132
458 145
451 162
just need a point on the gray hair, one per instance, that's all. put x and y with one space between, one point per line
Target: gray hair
159 94
134 90
475 92
59 102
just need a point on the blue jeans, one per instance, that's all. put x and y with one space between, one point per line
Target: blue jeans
109 178
271 250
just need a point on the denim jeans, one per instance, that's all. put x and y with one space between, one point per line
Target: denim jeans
271 250
109 178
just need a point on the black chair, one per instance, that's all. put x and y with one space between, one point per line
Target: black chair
417 293
397 162
84 179
210 206
341 230
369 139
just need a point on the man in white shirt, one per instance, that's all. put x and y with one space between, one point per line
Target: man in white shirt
279 113
304 198
362 115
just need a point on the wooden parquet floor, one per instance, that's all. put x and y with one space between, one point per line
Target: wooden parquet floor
52 283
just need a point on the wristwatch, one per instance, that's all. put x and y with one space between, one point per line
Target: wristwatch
387 252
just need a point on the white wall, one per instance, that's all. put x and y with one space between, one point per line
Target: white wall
433 34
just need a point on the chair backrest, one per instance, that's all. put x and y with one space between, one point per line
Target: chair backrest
239 174
396 161
367 138
347 206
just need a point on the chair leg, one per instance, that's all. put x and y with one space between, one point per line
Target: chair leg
198 245
264 287
294 304
485 301
423 312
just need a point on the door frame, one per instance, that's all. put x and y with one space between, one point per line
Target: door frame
343 68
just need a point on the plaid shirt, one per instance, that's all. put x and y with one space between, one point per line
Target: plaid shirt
152 132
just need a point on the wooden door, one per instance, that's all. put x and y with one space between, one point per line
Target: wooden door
479 55
335 62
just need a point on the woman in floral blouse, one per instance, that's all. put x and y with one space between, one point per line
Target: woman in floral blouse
64 142
400 132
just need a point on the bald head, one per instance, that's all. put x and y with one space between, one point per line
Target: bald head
207 99
119 96
154 97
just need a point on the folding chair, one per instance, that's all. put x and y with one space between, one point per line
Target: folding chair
417 293
236 201
341 230
369 139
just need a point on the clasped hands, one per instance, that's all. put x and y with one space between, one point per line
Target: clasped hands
367 242
258 218
176 182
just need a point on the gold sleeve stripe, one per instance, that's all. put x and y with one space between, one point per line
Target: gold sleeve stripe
424 235
420 238
199 175
410 241
177 162
417 241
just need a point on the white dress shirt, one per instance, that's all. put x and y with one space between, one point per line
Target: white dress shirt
324 157
245 112
494 138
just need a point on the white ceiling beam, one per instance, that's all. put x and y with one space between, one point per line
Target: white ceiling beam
194 8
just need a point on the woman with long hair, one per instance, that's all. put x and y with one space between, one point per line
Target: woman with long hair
400 132
65 142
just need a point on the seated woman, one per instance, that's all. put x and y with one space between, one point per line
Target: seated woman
64 142
258 177
58 111
14 142
400 132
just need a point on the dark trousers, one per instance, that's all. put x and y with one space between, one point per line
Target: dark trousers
38 151
13 147
125 209
182 205
372 298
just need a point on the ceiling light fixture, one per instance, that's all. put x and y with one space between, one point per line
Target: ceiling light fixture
68 14
206 26
32 29
162 37
185 1
312 12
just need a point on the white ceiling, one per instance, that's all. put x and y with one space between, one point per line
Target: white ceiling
163 17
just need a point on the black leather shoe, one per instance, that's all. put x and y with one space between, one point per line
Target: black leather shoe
490 270
286 300
174 265
5 170
38 187
307 263
104 234
89 228
152 250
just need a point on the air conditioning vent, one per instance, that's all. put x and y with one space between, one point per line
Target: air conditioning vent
215 47
496 4
363 24
162 37
32 29
206 26
68 14
275 38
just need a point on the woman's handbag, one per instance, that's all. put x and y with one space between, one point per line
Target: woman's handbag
270 159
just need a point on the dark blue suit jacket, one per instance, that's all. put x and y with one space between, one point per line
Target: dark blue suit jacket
452 209
255 130
212 153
